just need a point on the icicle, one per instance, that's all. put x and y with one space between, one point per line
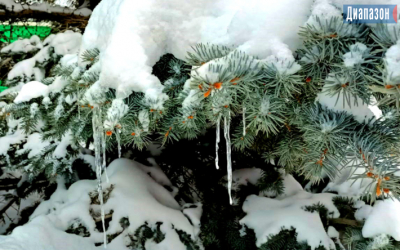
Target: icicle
119 142
217 141
104 152
244 121
98 136
77 102
227 120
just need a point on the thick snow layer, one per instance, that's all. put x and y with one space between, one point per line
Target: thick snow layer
392 60
24 67
384 219
23 45
31 90
267 216
69 60
40 234
133 35
363 112
68 42
363 212
143 200
36 89
194 212
358 204
332 232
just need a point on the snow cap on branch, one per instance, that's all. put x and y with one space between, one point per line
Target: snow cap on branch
134 36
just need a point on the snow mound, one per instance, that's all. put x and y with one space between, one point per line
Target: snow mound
267 216
23 45
363 212
143 199
132 36
31 90
40 234
392 60
383 219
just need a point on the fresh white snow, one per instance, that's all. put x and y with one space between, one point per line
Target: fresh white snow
133 35
143 200
31 90
383 219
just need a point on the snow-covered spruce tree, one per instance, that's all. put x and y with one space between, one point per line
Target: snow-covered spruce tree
329 115
32 60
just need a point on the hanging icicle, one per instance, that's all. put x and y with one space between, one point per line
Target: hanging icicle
217 141
77 102
117 134
227 120
103 142
244 121
99 143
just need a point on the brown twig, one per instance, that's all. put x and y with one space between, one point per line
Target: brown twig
347 222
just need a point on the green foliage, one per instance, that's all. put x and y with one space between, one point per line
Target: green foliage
333 33
269 107
187 240
271 181
76 227
354 240
385 36
286 239
145 233
325 133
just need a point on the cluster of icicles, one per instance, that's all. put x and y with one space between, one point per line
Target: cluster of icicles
100 154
